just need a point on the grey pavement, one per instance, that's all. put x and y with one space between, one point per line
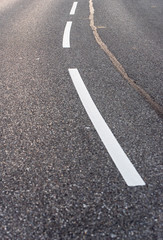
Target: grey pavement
57 179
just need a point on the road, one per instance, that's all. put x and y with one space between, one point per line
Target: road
81 119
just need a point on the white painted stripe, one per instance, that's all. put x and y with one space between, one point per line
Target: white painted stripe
66 35
73 9
126 168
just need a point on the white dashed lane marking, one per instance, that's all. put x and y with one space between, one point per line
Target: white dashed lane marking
66 35
73 9
125 167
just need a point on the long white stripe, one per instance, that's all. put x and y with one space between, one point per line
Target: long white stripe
66 35
73 9
126 168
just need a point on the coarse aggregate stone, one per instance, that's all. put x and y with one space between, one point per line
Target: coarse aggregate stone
57 180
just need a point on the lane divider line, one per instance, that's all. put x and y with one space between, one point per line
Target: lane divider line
73 9
66 35
125 167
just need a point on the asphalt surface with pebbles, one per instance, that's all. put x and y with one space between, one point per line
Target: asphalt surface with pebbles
57 179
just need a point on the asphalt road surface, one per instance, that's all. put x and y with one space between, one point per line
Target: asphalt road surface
81 128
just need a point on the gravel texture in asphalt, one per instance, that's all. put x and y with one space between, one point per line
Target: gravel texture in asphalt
57 179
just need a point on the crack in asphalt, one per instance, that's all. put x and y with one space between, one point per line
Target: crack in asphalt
156 106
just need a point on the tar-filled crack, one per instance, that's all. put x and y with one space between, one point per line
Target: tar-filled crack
157 107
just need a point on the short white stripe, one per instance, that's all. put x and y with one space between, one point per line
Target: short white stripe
125 167
66 35
73 9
